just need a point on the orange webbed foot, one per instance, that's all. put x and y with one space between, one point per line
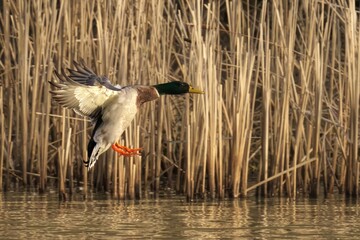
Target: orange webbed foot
125 151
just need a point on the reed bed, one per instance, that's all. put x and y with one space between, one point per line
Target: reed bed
279 117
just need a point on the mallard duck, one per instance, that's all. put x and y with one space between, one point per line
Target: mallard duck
111 108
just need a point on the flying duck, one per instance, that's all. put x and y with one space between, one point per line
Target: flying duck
111 108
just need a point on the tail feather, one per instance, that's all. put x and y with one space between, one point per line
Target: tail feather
91 146
94 149
94 153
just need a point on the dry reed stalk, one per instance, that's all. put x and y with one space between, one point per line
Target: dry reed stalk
63 153
23 38
238 93
71 155
138 167
179 172
158 144
335 78
212 134
5 85
9 159
122 177
151 149
283 31
131 180
189 168
287 171
137 177
301 133
35 93
115 183
152 157
326 28
265 126
307 175
264 54
2 137
129 167
213 127
66 161
34 149
220 168
291 26
315 188
342 138
84 156
63 127
242 123
45 40
7 166
6 46
60 177
352 39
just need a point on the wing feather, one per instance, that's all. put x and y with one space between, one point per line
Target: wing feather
86 76
85 99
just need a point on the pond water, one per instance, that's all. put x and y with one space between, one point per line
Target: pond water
27 215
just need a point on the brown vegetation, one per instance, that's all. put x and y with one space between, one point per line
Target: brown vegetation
280 113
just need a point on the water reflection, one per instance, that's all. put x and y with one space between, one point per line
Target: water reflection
31 216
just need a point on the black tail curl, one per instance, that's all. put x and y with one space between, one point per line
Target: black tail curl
92 142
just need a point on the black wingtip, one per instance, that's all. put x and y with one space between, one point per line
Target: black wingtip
90 149
92 143
57 74
52 84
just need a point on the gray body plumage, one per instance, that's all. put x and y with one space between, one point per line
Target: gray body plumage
117 114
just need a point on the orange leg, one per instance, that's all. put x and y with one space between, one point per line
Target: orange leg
125 151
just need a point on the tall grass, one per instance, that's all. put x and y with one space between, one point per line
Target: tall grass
280 114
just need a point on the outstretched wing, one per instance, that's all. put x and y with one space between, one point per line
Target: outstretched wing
79 91
86 76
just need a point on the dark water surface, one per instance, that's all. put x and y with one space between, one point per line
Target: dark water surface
34 216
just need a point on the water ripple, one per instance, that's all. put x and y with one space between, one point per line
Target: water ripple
32 216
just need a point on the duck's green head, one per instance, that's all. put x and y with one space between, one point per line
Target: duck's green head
175 88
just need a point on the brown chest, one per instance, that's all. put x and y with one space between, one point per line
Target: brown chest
146 94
